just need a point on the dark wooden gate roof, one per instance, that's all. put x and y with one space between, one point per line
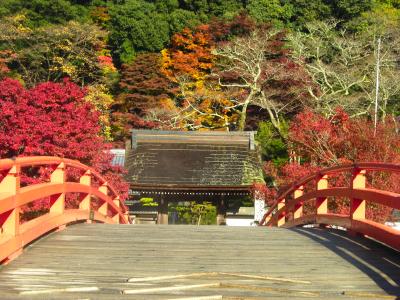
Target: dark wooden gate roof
207 159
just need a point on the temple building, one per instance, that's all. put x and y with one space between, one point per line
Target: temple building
172 166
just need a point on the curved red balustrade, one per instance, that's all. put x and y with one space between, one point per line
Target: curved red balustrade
14 236
355 222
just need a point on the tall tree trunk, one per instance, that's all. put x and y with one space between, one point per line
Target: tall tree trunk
243 112
243 115
275 122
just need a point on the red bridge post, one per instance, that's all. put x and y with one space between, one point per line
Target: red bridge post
281 218
57 202
103 209
298 209
10 185
86 179
357 206
321 203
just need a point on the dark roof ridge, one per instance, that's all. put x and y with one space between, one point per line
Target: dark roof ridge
191 133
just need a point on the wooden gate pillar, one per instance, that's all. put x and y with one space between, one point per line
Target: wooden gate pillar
162 214
221 211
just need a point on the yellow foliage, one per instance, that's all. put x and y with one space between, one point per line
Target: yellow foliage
99 96
58 60
18 21
69 69
105 52
168 104
166 64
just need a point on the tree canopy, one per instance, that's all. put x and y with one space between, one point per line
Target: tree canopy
317 79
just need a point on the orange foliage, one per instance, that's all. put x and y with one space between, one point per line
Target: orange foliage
189 55
189 62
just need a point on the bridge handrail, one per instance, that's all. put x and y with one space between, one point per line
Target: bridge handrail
357 192
15 236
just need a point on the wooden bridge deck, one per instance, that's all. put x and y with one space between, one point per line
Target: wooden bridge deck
96 261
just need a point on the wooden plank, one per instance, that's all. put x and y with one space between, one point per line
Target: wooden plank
96 261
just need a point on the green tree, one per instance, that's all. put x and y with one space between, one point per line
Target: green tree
270 11
305 11
180 19
224 8
137 26
198 6
165 6
273 146
195 213
348 9
148 202
44 12
203 213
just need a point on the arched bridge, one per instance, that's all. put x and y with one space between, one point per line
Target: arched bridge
117 261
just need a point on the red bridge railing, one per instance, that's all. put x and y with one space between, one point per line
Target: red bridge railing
292 200
14 235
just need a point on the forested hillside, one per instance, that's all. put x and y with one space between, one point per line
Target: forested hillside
318 79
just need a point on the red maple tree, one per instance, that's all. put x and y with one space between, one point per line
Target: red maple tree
320 142
145 92
53 119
